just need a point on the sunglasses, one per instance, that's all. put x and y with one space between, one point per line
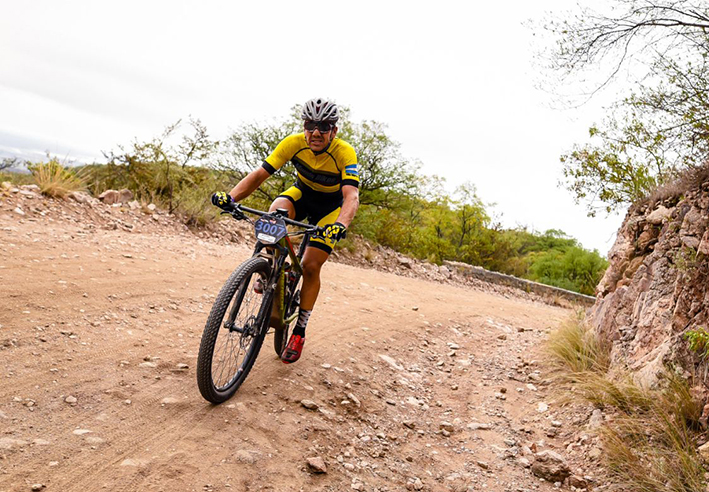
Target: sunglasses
323 126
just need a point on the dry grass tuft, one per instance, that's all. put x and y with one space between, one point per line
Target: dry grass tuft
650 443
576 349
651 447
54 180
674 189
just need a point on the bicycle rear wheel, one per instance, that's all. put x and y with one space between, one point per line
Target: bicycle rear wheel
234 331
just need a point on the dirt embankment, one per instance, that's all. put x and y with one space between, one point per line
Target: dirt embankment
416 384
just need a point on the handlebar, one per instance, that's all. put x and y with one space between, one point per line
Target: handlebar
233 208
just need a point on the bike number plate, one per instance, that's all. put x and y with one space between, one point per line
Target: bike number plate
270 230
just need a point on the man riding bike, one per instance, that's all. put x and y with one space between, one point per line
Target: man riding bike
326 192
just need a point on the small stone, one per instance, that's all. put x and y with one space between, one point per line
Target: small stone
182 366
483 465
447 426
596 419
37 486
479 426
595 453
169 401
309 404
148 364
542 407
70 399
317 465
578 482
502 337
354 399
391 361
410 424
550 466
81 432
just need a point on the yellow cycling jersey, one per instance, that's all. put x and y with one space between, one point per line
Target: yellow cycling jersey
327 171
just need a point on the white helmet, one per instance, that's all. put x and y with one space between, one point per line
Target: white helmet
320 109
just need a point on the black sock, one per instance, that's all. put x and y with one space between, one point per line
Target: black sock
303 317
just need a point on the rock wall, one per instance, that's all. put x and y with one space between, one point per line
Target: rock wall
546 291
656 287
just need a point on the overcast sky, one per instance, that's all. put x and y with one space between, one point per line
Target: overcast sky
455 82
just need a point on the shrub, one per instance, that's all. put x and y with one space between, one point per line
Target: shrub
698 342
54 180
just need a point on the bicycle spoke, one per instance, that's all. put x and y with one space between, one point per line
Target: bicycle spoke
232 346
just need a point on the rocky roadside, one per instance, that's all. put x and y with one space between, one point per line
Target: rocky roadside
117 210
396 417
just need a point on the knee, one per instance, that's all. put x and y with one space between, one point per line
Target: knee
311 269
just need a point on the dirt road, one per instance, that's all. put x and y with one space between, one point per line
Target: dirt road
420 385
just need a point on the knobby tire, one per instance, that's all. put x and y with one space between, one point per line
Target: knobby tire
237 293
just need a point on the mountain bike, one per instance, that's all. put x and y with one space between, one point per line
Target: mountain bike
262 292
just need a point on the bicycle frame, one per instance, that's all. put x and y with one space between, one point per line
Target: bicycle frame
281 251
277 255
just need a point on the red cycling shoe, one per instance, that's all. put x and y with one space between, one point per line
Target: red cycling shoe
293 349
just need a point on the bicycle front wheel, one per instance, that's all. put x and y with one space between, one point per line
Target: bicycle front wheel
234 331
292 301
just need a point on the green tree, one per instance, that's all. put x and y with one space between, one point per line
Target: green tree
573 269
662 127
385 175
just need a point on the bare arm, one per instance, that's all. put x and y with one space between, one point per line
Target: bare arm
349 205
249 184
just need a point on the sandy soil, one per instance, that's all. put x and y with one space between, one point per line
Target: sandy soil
84 307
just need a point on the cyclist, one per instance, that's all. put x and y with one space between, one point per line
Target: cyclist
326 192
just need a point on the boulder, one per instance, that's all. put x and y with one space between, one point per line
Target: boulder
109 197
317 465
81 197
659 215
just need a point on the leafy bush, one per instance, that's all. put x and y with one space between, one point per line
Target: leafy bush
698 342
573 269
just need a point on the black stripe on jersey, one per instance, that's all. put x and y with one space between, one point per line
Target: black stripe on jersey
269 168
350 182
333 158
319 177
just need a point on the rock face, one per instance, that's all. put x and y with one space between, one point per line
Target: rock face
656 287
